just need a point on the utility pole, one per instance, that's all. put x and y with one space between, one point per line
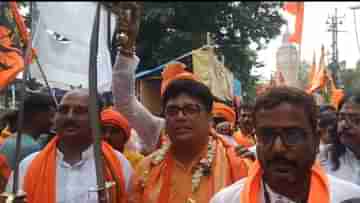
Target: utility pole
334 21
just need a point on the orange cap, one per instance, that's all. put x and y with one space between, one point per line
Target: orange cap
174 71
111 116
222 110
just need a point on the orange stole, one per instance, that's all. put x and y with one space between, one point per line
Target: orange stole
5 172
40 179
243 140
149 179
319 186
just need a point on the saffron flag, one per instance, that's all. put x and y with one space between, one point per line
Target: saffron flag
11 59
321 76
336 94
296 9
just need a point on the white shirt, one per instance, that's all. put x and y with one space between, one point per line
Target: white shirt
349 168
73 182
340 190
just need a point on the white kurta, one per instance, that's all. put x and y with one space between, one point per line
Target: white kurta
73 182
147 125
340 190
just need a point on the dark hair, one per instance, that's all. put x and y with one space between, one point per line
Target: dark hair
338 149
278 95
37 102
189 87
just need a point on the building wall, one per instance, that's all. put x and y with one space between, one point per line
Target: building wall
149 94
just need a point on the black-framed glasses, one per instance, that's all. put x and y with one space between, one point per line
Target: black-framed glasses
289 136
187 110
352 118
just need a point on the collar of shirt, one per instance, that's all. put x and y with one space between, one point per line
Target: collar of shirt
85 155
275 197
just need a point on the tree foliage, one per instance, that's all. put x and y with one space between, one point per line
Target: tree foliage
169 29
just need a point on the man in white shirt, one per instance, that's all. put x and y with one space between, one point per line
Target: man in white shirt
64 171
342 157
286 170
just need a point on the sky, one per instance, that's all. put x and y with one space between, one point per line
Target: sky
315 34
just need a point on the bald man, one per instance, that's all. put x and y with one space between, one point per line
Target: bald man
64 171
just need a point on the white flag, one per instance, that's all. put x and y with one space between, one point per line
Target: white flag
62 40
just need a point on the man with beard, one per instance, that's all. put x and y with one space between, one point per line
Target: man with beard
245 135
344 154
64 170
287 144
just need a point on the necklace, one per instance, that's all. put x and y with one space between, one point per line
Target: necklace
203 168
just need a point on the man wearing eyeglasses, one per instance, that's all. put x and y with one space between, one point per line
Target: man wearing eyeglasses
287 144
344 154
196 163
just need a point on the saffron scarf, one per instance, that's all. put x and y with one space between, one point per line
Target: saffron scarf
319 187
40 179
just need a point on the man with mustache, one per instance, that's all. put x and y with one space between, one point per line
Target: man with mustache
287 144
245 135
39 111
344 153
197 162
64 171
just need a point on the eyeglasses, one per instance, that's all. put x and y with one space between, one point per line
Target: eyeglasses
289 136
351 118
187 110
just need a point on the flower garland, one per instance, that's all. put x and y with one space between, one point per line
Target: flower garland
203 168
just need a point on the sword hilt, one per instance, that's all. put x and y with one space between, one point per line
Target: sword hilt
103 192
10 197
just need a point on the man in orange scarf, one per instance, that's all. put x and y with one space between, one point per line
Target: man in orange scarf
224 118
287 144
245 135
64 171
117 131
197 163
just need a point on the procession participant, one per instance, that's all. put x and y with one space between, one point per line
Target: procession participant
117 131
197 162
148 126
64 170
224 121
343 155
287 170
245 135
38 119
327 124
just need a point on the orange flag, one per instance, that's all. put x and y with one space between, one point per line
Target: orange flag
296 9
336 94
11 59
321 77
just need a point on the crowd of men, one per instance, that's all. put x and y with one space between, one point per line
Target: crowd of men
284 148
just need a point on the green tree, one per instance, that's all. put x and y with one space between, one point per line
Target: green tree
170 29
